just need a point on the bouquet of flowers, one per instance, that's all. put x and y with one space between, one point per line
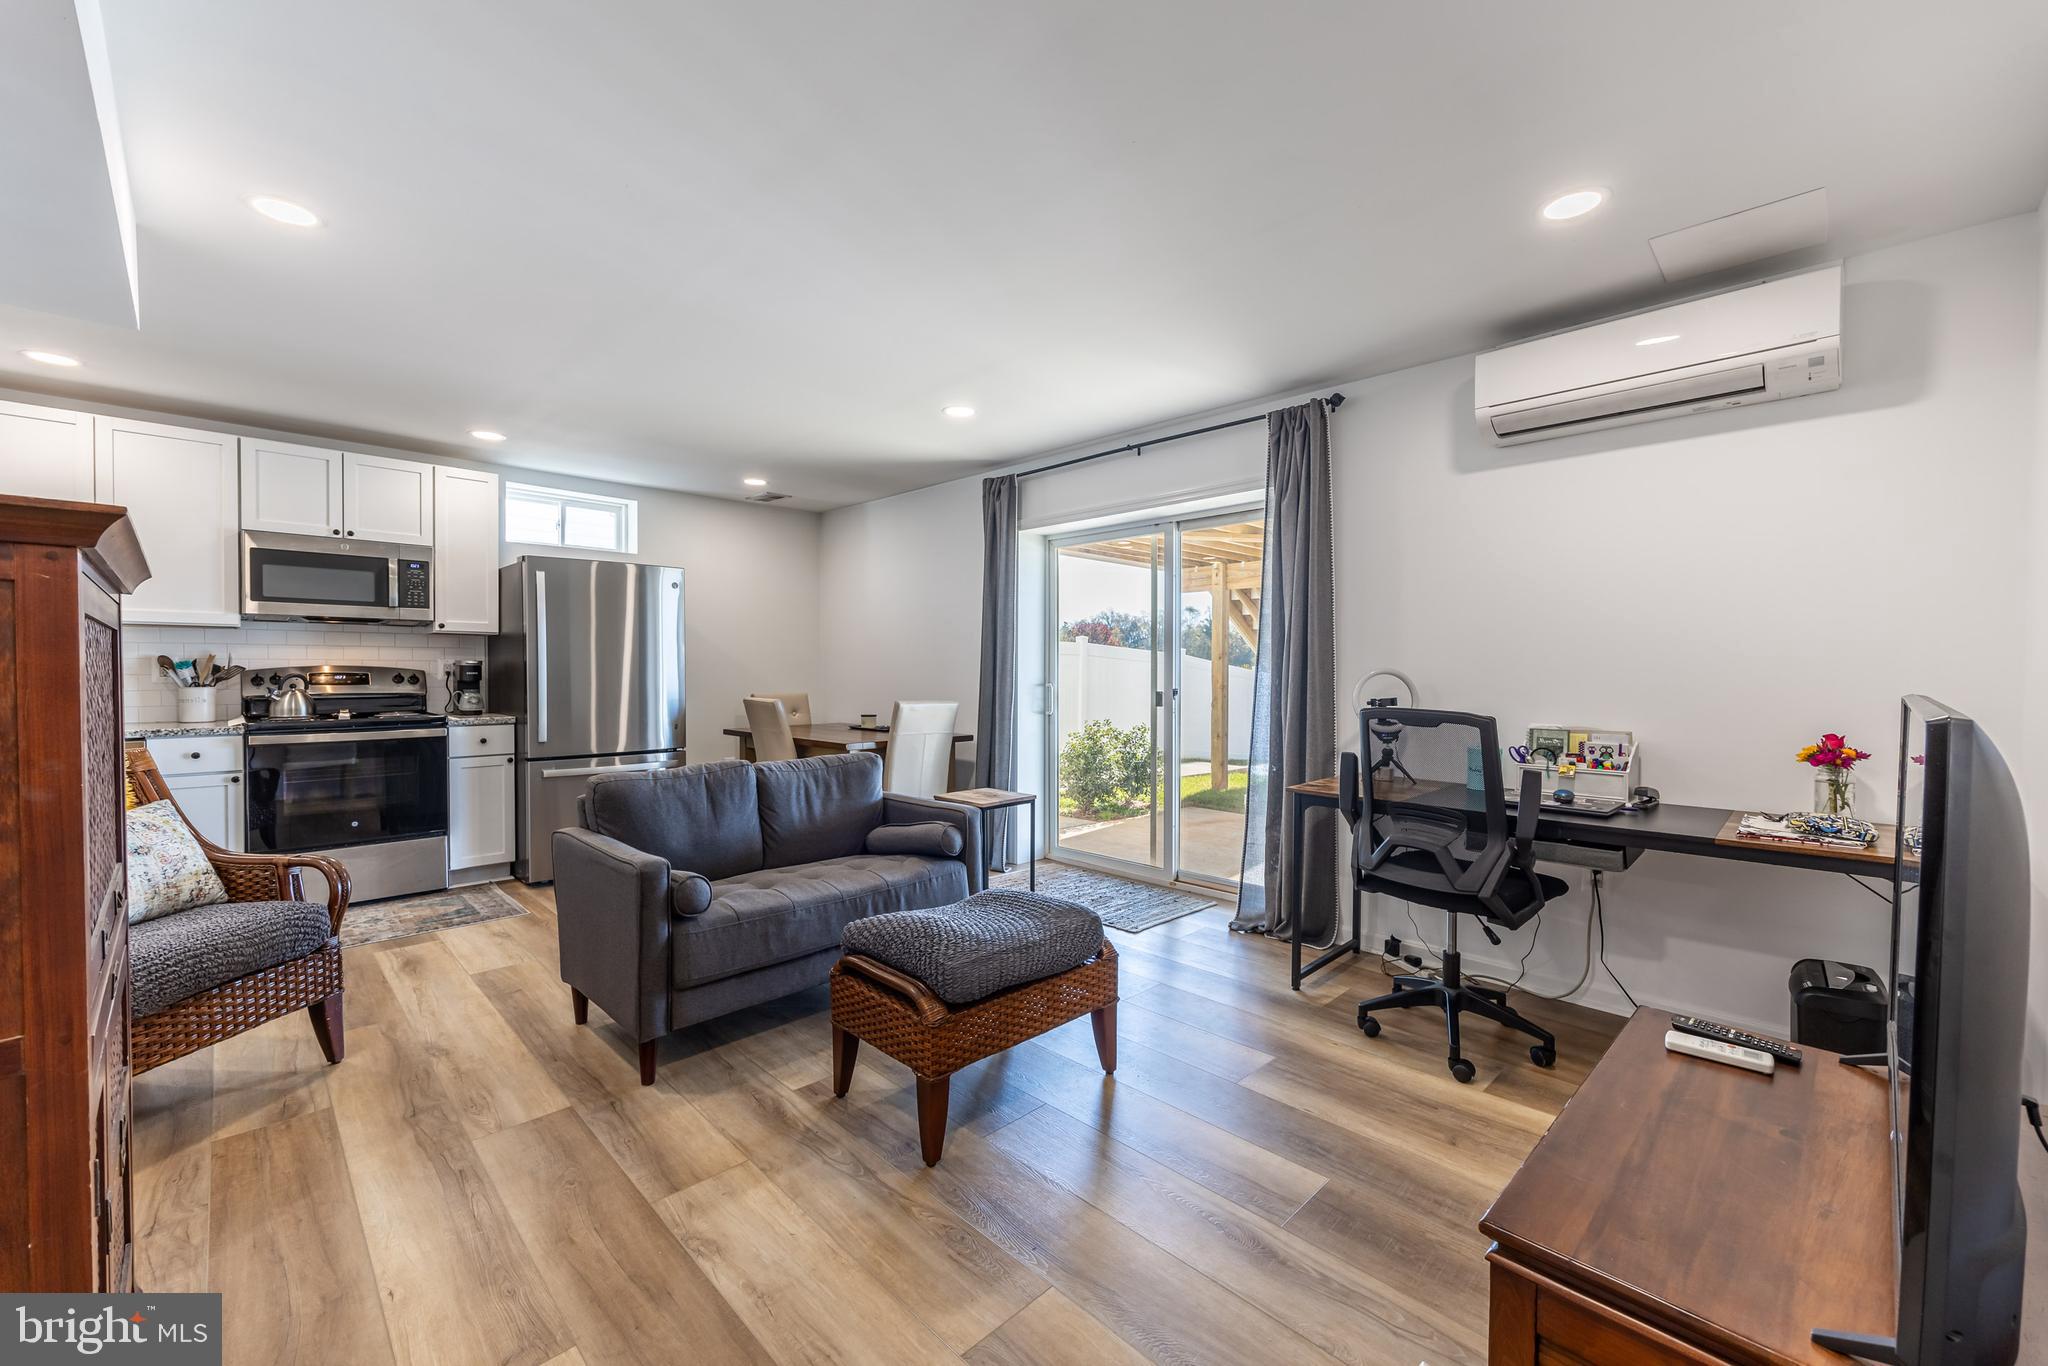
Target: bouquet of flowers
1832 758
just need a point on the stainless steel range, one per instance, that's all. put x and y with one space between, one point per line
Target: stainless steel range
362 778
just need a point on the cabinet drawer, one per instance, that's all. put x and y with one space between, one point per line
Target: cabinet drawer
464 741
176 754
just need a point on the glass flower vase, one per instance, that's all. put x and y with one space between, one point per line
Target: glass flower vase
1834 792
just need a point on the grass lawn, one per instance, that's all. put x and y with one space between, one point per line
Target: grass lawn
1195 790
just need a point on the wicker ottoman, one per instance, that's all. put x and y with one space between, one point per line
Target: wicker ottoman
954 951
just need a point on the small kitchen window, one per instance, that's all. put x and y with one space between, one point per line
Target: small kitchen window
573 521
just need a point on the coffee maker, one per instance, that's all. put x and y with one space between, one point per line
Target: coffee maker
465 687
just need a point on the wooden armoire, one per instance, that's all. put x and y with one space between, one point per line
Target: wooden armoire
64 1119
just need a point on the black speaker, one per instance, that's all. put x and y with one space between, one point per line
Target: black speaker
1837 1006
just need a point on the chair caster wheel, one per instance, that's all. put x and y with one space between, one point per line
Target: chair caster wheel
1370 1026
1462 1070
1542 1056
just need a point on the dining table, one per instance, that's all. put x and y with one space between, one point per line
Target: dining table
828 737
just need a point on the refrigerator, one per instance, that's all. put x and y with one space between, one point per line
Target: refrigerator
589 660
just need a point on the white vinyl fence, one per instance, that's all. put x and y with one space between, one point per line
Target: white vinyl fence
1114 683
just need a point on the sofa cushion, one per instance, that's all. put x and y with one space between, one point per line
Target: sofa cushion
988 943
688 893
933 839
776 914
819 808
702 818
187 952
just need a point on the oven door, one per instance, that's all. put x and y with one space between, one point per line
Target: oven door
332 789
296 577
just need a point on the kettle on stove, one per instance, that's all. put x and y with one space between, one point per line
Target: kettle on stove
289 700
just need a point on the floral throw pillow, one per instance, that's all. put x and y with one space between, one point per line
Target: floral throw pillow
167 870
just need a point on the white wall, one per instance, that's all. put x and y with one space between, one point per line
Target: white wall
1692 620
2033 764
751 599
899 603
1904 494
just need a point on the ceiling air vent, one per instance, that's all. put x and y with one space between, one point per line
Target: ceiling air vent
766 497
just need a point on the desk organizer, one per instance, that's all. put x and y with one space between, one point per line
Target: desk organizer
1587 782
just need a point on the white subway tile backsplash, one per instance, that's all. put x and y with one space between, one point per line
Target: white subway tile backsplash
150 697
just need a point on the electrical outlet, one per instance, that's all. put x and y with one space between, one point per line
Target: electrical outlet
1392 948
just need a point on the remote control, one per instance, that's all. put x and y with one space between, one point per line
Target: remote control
1708 1029
1713 1050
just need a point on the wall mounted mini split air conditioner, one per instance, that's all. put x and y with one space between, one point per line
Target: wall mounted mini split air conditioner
1778 339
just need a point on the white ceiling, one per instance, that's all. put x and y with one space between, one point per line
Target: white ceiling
675 244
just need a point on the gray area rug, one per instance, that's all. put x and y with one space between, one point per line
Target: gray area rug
1122 903
408 915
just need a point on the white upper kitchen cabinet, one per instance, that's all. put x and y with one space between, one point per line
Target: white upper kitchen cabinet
465 551
45 453
181 487
387 500
291 488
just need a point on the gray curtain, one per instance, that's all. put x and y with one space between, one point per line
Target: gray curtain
995 719
1294 687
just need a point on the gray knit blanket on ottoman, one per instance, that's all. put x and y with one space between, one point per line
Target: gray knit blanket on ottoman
975 948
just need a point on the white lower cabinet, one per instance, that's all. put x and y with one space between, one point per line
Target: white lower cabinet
480 769
205 776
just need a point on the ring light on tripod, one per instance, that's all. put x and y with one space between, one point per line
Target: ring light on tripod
1388 735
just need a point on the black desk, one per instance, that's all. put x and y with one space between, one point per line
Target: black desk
1702 831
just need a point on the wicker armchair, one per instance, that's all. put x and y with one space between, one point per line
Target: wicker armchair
311 982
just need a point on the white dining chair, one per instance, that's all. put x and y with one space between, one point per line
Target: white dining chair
768 719
919 759
797 704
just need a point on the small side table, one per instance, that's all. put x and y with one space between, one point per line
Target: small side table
989 800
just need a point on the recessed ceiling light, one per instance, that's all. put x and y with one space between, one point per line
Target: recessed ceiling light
284 211
51 358
483 434
957 410
1573 204
1658 341
755 483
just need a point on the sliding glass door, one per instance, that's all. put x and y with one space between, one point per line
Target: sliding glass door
1110 673
1155 631
1222 561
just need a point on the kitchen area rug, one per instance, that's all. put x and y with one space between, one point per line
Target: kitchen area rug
408 915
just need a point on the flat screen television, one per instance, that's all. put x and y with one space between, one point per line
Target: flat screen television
1960 913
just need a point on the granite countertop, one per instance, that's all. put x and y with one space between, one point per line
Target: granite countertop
158 730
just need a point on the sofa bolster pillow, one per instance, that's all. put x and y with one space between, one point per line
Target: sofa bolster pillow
688 894
934 839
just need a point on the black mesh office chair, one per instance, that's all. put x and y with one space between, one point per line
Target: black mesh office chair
1422 834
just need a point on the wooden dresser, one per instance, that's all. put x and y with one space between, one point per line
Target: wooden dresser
1682 1212
64 1200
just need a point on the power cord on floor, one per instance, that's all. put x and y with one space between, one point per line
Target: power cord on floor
1600 913
1597 918
2033 1109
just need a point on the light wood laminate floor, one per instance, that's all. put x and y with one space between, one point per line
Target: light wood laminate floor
482 1181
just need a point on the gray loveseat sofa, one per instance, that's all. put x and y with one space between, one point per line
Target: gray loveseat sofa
691 892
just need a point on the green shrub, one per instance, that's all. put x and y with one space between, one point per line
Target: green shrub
1106 772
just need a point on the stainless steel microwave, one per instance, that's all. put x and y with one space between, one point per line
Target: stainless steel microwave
307 578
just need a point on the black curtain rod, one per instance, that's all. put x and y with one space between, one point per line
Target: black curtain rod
1336 401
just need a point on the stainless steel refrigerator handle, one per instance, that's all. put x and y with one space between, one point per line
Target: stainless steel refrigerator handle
349 737
540 656
546 773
